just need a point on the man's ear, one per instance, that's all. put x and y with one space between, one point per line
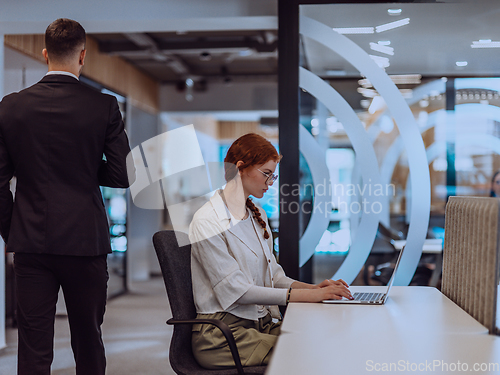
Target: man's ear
81 61
45 55
239 163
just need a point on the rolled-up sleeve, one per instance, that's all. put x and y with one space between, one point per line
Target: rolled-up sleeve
211 252
260 295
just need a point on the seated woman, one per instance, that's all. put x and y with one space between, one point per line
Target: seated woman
235 275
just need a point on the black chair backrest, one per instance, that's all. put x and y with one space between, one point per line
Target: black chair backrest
175 264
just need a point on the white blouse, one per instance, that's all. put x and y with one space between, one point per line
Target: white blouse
226 263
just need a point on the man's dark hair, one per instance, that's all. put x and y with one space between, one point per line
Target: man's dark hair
63 38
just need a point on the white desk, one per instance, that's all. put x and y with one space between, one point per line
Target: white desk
408 309
326 353
416 326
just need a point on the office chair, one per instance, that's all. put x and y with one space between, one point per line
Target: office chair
471 257
175 264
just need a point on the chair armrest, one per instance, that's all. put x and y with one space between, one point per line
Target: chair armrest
226 331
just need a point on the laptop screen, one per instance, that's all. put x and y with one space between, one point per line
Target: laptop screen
389 285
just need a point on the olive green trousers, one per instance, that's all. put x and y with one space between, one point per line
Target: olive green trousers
254 339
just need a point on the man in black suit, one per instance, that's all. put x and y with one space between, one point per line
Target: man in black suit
53 136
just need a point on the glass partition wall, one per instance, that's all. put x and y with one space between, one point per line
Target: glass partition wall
398 111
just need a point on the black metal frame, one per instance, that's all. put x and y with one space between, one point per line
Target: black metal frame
451 174
288 121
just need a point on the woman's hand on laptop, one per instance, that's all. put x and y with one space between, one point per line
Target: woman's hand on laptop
332 291
329 282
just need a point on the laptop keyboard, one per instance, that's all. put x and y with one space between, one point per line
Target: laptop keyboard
367 297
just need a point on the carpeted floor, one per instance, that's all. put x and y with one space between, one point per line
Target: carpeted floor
135 335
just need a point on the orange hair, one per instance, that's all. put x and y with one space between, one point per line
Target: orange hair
251 149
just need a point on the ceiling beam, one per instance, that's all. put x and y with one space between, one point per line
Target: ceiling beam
218 44
201 43
146 43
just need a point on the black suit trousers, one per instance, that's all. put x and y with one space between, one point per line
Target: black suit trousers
83 280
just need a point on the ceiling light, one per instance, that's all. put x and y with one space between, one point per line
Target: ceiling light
423 116
382 62
335 73
423 103
142 40
461 63
365 103
384 42
386 124
406 79
440 165
398 79
158 56
189 89
394 12
378 103
406 93
383 49
392 25
354 30
245 52
367 93
177 66
365 82
485 43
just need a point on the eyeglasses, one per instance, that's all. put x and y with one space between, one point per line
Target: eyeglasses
270 177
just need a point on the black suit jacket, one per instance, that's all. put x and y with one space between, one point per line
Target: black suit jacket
52 138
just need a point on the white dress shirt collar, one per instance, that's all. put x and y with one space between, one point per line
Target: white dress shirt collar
61 72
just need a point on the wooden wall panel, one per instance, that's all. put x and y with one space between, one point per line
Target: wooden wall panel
31 45
231 130
110 71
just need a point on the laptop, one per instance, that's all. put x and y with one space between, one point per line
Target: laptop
370 298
